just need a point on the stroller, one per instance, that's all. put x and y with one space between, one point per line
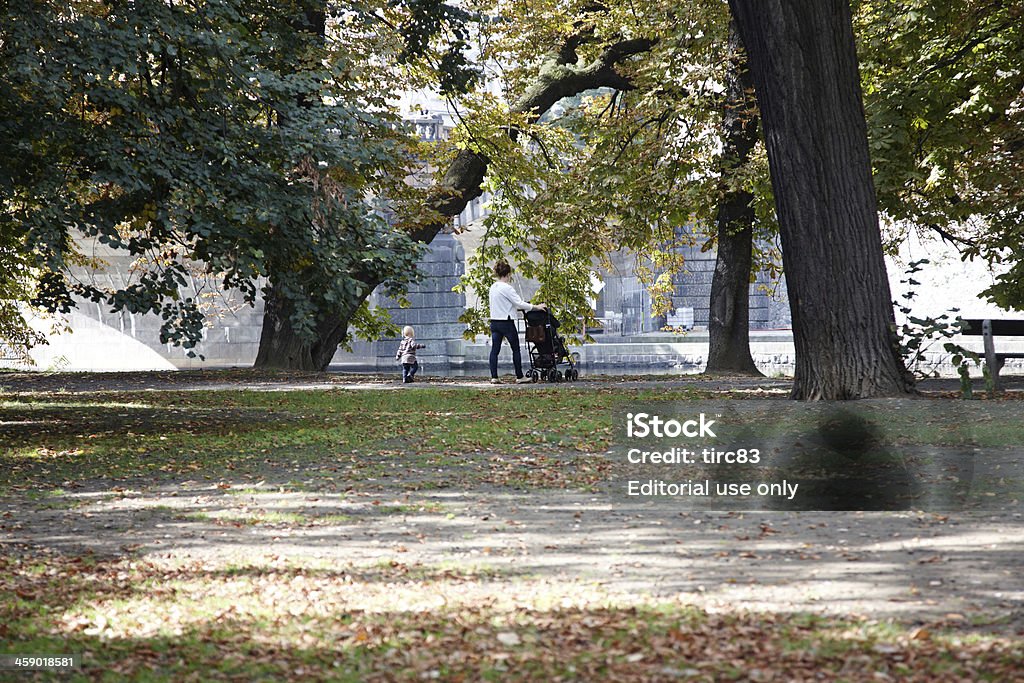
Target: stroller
547 349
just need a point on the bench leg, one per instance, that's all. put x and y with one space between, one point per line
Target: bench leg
992 362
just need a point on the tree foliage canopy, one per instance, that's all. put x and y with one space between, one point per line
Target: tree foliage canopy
944 96
626 166
622 166
260 140
247 136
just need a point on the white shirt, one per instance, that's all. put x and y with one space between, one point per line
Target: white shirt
505 301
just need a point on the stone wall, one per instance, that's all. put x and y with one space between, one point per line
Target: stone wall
231 336
769 307
233 331
434 313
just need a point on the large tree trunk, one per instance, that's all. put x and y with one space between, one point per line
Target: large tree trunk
804 63
282 347
560 76
729 321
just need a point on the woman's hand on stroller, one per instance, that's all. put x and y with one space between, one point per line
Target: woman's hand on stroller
542 307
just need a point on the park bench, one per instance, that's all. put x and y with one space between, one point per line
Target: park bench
990 329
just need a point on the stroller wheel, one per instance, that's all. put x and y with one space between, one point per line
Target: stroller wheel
558 375
575 374
534 375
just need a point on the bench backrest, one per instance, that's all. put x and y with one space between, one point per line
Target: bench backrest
1000 328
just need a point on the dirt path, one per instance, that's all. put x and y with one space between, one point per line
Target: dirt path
251 380
963 569
245 379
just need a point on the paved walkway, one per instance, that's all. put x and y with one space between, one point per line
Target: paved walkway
244 379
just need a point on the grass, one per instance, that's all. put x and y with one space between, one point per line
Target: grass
269 518
429 437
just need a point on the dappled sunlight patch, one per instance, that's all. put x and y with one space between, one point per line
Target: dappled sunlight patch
70 401
21 423
44 453
965 541
759 392
268 518
393 621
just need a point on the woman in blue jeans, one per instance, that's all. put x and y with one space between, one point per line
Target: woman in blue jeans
505 304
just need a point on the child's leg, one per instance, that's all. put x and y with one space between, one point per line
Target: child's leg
413 369
406 376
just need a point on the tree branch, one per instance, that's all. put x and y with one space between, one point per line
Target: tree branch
950 237
660 120
965 49
543 148
555 80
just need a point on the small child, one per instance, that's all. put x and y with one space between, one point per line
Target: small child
406 355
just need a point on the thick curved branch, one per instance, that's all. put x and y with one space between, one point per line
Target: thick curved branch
953 239
555 80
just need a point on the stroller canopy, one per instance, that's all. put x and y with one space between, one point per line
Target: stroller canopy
542 318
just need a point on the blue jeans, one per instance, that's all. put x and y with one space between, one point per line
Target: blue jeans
505 329
409 371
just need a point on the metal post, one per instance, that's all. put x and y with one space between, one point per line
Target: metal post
991 362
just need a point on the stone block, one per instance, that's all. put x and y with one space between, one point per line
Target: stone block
451 330
441 299
691 290
244 334
444 247
441 330
703 264
695 277
216 335
447 269
438 315
218 353
695 302
435 285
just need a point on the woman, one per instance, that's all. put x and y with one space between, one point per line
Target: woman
505 301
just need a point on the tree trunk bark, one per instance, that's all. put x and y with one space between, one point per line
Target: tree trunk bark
729 321
804 64
283 348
